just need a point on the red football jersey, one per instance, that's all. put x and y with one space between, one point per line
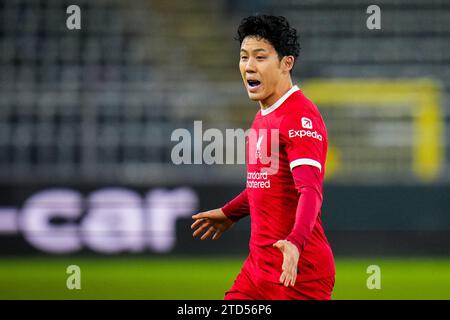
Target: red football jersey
290 133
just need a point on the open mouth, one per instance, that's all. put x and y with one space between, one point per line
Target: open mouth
253 83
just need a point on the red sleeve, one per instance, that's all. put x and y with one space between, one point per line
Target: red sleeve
237 208
304 136
308 182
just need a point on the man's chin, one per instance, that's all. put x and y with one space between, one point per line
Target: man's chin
254 96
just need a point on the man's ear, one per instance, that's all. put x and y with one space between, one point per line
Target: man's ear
287 63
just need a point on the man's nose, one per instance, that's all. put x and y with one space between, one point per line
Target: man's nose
250 65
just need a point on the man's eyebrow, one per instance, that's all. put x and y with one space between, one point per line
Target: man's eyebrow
255 50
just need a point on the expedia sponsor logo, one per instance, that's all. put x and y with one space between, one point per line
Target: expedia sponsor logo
306 123
305 133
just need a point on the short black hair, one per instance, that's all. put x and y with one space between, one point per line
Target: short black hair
275 29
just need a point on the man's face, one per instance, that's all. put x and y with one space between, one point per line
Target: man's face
260 68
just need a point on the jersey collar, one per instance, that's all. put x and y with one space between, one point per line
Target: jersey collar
279 102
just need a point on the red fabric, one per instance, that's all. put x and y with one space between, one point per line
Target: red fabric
308 184
237 208
291 134
247 286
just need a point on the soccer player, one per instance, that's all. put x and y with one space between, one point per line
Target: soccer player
290 257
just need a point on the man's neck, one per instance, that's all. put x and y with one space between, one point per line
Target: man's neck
275 96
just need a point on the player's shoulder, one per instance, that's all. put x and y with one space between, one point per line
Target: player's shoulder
302 104
302 109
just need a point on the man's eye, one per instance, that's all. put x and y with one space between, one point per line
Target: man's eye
243 57
260 58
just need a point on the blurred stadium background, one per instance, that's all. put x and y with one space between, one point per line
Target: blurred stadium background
86 118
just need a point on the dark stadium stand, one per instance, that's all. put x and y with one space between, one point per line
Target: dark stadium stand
102 102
